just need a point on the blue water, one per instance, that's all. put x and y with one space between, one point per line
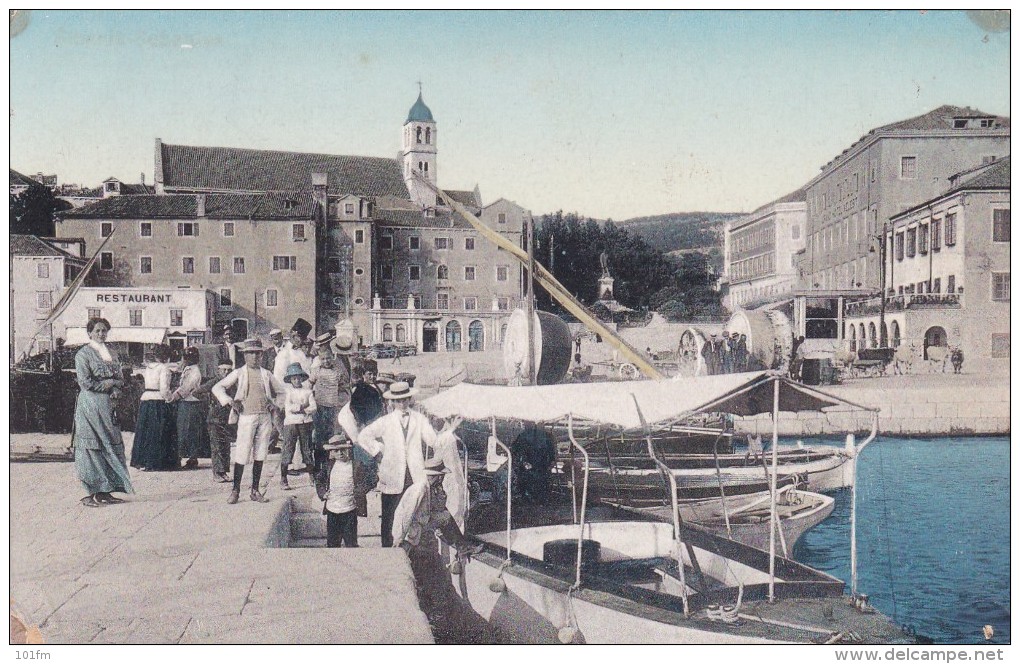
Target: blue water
932 537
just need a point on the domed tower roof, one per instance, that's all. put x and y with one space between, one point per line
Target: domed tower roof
419 112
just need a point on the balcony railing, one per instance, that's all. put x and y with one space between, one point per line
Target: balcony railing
901 302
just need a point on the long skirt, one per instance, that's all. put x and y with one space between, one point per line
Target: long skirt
154 446
192 437
98 446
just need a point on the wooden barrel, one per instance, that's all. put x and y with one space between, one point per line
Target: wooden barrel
553 345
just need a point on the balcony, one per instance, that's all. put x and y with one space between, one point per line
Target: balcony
904 302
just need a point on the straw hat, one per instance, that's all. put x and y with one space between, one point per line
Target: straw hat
435 466
400 390
338 442
252 346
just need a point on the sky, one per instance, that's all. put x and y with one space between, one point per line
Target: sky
608 114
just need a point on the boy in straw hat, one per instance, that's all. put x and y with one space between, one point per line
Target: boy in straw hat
402 439
252 407
299 406
340 485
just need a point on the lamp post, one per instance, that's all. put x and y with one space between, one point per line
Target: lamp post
883 336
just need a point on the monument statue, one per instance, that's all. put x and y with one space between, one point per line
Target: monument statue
604 259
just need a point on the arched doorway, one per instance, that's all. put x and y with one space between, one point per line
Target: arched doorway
895 334
885 336
452 336
430 337
401 334
853 337
935 336
862 338
387 332
476 336
502 334
872 335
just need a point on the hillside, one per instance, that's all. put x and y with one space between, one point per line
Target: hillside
678 231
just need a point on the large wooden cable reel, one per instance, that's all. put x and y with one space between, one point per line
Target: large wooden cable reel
553 345
689 359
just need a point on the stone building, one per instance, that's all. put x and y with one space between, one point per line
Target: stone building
759 251
40 272
948 272
888 170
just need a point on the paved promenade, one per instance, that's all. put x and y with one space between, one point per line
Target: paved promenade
176 564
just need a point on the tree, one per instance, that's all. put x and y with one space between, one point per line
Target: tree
32 211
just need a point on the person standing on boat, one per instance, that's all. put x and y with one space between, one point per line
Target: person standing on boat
98 445
191 425
400 442
154 448
534 453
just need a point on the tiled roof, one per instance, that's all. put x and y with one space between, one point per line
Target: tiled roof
798 196
245 170
993 176
417 219
30 245
18 178
185 206
464 197
135 189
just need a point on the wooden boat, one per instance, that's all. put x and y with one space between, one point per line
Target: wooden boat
641 580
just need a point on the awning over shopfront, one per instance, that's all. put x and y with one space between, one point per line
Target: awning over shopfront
141 335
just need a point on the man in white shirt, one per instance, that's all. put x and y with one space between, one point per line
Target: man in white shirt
253 406
401 439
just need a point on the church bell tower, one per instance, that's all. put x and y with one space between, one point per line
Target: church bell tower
419 151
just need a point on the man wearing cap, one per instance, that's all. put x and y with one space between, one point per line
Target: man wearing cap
221 433
227 351
292 352
331 383
423 511
402 439
253 405
191 425
269 356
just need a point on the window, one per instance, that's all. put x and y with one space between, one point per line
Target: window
387 332
469 243
43 300
359 236
414 243
502 217
348 208
441 243
1000 345
469 273
176 317
95 313
225 301
105 229
795 232
470 303
987 159
272 297
298 232
281 263
385 241
442 273
417 134
1000 286
959 123
951 229
228 229
937 285
386 272
145 229
238 264
111 186
135 317
443 301
145 264
503 303
214 265
1000 225
899 246
502 272
951 283
42 270
936 234
414 272
922 239
188 265
187 229
908 168
986 123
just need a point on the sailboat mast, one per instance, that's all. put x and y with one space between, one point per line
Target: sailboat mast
772 489
531 301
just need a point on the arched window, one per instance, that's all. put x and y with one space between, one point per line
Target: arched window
428 135
426 170
452 336
853 337
872 335
387 332
895 334
863 338
502 334
417 134
442 272
421 166
476 336
885 335
401 334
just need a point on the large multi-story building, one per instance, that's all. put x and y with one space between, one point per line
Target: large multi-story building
947 272
40 272
886 171
759 251
373 245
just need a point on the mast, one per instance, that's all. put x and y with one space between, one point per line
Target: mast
531 301
772 489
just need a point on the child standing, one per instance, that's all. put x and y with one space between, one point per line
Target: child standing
340 486
299 405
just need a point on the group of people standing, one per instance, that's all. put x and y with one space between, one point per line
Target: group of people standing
725 354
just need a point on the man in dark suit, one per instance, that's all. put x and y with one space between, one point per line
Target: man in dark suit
227 351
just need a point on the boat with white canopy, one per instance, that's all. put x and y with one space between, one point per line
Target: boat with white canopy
631 580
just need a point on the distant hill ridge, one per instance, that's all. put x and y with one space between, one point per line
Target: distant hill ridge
679 231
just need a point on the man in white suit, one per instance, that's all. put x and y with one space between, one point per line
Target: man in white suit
402 438
253 407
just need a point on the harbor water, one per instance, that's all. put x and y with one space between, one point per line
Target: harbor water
933 535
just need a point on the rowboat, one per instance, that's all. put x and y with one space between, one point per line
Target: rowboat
581 578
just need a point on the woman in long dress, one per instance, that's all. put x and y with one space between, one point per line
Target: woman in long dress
98 445
154 447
